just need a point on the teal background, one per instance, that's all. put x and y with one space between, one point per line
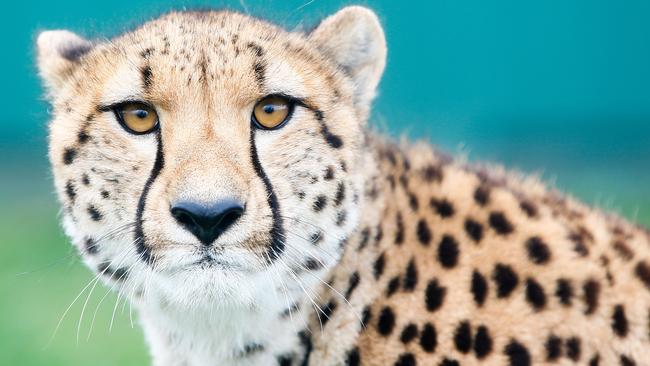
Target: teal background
556 87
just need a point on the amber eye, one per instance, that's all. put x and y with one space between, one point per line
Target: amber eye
272 111
137 118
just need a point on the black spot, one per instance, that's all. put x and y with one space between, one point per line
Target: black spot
482 342
340 194
316 238
94 213
105 194
319 203
413 202
379 235
535 294
70 191
538 251
399 230
365 236
463 337
352 284
91 246
285 360
259 70
118 275
642 271
405 359
564 291
341 216
449 362
623 250
82 136
251 348
479 288
505 278
411 276
353 358
432 173
366 315
68 155
146 76
378 267
573 348
500 223
434 295
619 321
626 361
443 207
474 230
517 354
482 195
259 52
313 264
85 179
448 252
287 313
591 290
409 333
595 361
553 347
386 321
326 312
146 52
393 286
329 173
423 232
428 338
529 208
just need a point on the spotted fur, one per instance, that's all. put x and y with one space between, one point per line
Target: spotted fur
352 249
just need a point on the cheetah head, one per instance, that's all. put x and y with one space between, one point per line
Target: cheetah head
210 156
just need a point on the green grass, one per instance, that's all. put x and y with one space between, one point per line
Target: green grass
40 275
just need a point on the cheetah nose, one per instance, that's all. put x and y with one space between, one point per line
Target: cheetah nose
207 222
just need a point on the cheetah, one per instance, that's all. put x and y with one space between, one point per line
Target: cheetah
220 173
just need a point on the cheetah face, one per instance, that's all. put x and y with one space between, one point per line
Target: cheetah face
209 156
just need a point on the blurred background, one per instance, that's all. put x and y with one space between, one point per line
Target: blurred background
556 87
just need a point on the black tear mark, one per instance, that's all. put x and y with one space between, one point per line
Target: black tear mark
143 250
333 140
277 229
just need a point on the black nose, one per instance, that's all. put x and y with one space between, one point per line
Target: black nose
207 221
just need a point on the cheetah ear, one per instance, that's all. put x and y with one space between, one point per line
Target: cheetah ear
354 39
59 52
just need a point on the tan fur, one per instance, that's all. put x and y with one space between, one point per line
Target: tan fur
388 229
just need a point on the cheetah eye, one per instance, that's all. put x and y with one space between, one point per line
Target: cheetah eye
272 112
137 118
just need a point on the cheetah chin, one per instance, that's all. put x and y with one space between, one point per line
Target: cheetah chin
218 171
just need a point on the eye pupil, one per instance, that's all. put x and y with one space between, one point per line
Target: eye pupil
269 109
142 114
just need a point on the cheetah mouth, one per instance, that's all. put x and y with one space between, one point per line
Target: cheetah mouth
208 261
